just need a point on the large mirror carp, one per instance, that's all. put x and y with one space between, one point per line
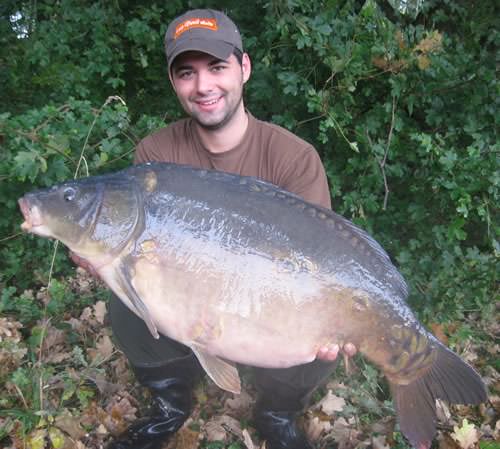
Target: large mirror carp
244 272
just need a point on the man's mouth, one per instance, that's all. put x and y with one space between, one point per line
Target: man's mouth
208 102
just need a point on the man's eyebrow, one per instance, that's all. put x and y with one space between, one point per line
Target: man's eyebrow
181 67
213 62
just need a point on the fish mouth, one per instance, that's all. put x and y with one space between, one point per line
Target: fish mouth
31 214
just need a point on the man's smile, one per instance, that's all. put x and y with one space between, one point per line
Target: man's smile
208 102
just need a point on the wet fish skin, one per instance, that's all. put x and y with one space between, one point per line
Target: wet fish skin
245 272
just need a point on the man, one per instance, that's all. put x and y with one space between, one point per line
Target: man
208 69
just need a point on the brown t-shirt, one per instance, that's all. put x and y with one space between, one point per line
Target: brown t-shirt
266 151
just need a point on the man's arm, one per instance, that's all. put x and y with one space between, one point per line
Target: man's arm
306 177
144 151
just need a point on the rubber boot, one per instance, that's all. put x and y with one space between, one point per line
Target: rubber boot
280 430
283 396
171 391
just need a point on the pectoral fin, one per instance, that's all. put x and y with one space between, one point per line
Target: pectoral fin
140 307
223 373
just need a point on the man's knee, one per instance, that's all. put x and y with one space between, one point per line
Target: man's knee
133 337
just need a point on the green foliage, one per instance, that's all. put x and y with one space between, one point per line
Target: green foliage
489 445
404 117
400 442
366 393
221 445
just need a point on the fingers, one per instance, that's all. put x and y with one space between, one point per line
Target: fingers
349 349
330 352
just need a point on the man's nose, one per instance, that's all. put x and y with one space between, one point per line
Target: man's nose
204 82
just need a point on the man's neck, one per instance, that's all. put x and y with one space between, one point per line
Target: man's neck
227 137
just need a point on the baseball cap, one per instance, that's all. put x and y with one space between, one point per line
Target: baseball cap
204 30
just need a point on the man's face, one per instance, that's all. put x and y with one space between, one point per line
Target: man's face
209 89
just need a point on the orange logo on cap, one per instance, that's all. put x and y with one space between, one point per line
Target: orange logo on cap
209 24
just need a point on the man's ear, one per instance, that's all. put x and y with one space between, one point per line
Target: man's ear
246 67
171 79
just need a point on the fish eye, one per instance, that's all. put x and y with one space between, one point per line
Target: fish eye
69 194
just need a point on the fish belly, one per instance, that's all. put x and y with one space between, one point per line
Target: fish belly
257 326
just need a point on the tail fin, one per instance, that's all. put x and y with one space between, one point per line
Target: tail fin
450 379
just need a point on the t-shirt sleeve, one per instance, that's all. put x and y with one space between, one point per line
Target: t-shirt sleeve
306 177
156 147
141 153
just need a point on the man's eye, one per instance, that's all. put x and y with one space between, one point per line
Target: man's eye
218 68
185 75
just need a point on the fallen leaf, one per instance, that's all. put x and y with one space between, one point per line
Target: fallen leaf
105 347
70 424
316 427
466 435
344 431
493 349
101 429
43 296
36 439
75 324
52 337
57 357
331 404
9 330
239 404
83 280
56 437
185 438
120 369
214 431
105 387
92 415
119 413
103 350
218 427
379 442
335 385
100 311
11 356
488 432
54 344
247 439
86 314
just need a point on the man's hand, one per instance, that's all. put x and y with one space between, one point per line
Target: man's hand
330 352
